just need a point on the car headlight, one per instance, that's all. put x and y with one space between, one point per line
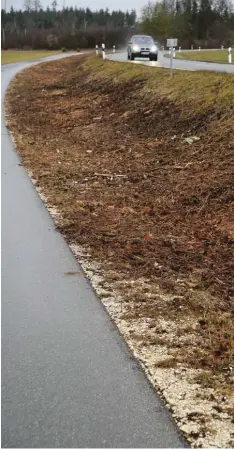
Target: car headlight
135 48
154 48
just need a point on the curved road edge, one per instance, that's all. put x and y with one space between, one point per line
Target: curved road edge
178 64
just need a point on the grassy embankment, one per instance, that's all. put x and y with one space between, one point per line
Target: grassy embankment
11 56
220 56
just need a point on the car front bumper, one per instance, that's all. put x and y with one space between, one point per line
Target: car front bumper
144 54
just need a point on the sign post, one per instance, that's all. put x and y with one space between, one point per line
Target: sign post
230 55
171 43
103 51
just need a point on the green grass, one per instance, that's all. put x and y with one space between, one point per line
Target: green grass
203 90
10 56
220 56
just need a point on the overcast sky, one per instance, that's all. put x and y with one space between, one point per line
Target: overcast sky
92 4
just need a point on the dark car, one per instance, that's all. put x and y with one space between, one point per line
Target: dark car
141 46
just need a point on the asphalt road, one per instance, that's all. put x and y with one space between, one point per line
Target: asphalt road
177 63
68 378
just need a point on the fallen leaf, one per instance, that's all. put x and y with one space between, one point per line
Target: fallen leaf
148 236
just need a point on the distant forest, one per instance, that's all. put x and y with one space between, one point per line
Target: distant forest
209 23
205 23
70 28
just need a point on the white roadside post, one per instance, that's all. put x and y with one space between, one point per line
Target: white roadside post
199 48
191 47
103 51
163 48
222 47
179 49
96 50
230 55
171 43
171 59
173 52
113 48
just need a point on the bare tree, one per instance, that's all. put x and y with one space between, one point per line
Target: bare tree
28 5
54 5
36 5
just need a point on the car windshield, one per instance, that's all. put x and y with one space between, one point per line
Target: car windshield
143 40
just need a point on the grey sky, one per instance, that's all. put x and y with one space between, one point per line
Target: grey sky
92 4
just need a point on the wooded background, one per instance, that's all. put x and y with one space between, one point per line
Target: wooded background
207 23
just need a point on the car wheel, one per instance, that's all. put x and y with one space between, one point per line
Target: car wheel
132 57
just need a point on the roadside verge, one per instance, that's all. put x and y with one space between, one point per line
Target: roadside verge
137 173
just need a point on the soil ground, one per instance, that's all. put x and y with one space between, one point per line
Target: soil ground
107 145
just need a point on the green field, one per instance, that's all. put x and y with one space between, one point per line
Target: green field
220 56
10 56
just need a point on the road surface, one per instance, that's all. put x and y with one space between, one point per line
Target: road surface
68 378
177 63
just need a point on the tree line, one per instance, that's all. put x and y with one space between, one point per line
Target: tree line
72 28
205 23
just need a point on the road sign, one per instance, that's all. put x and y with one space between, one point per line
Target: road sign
172 42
